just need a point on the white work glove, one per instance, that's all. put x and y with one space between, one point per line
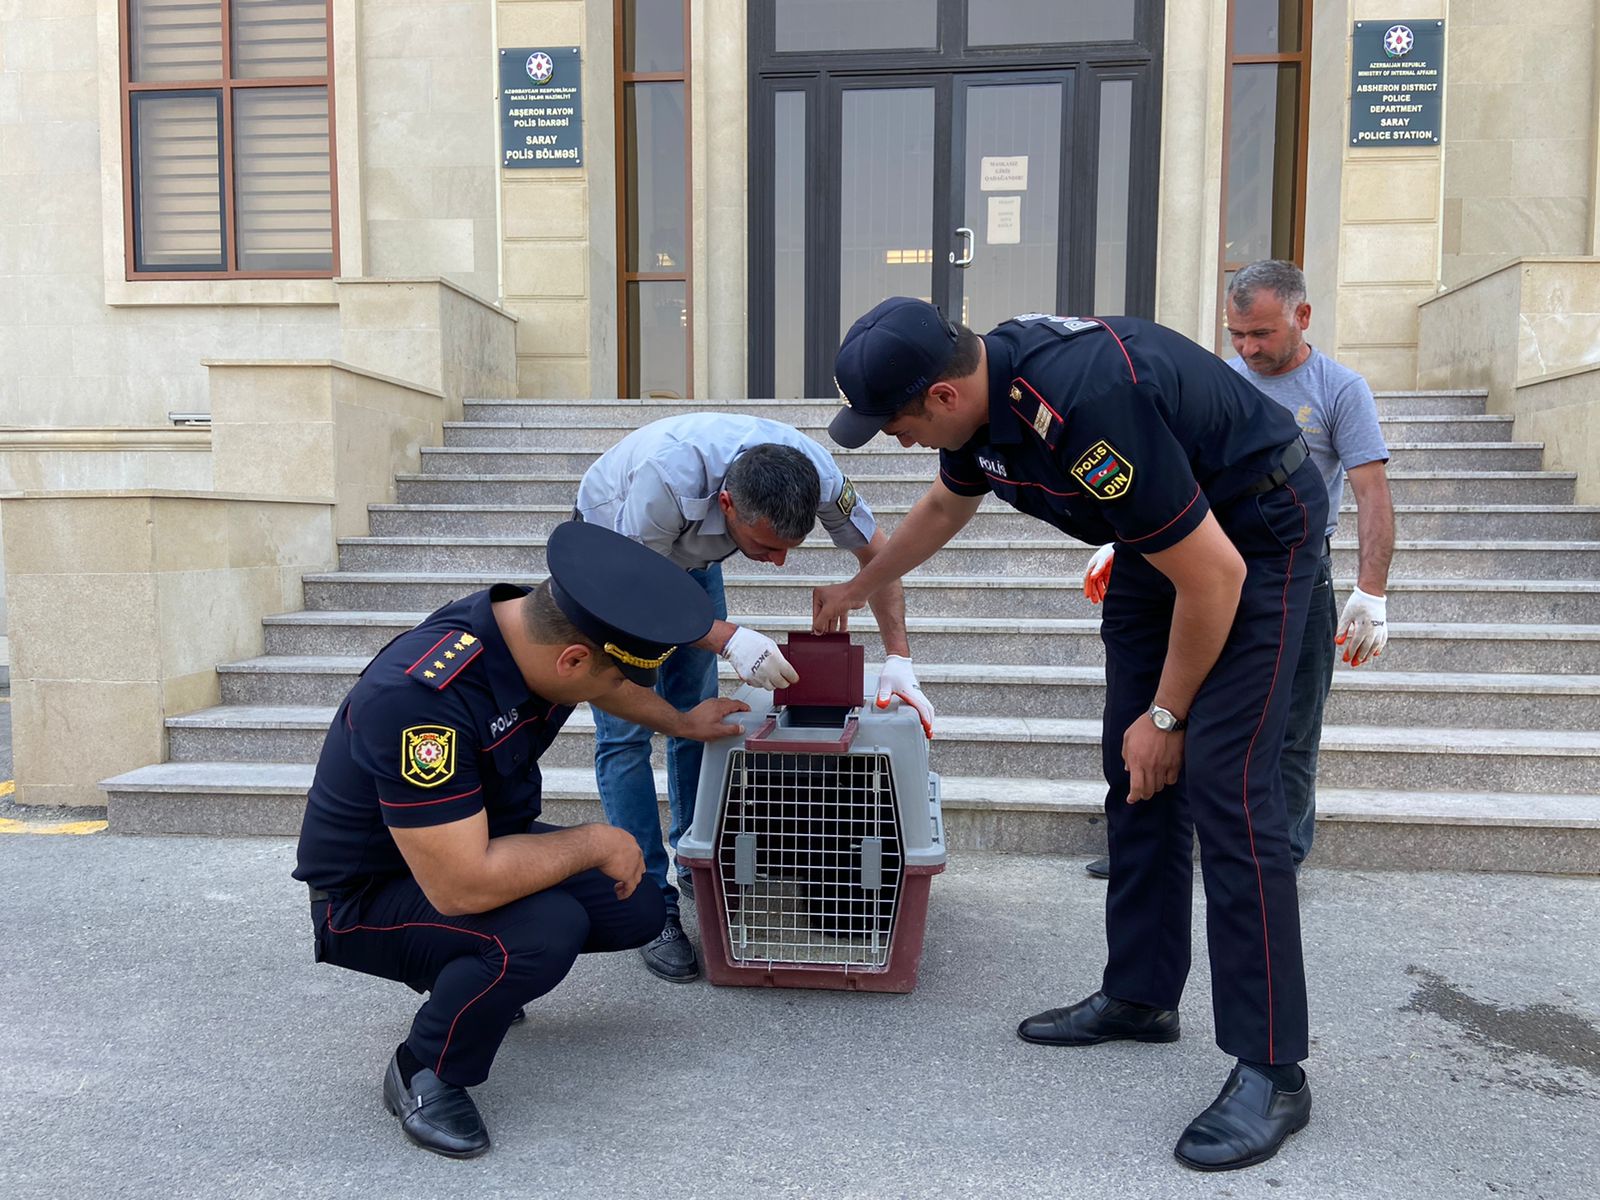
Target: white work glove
898 679
1097 575
756 659
1362 631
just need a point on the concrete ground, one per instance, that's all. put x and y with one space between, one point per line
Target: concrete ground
166 1034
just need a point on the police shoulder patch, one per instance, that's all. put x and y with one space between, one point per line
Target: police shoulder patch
1105 473
427 754
847 498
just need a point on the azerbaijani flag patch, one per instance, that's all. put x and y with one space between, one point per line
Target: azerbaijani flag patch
1104 473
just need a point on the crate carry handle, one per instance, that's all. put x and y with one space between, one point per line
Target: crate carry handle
762 739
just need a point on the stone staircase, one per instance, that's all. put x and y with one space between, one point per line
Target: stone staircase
1472 744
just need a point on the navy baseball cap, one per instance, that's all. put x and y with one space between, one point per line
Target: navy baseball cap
637 605
888 359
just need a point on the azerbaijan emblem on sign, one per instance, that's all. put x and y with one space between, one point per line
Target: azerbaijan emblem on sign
427 755
541 66
1398 40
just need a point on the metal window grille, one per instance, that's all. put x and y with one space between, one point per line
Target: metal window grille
811 858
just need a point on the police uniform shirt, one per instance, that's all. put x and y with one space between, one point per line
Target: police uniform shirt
1115 430
440 726
659 486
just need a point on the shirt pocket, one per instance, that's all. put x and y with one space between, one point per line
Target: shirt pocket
512 755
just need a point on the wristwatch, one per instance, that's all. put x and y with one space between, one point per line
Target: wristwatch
1165 721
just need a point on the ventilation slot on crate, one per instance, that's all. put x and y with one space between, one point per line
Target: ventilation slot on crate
810 858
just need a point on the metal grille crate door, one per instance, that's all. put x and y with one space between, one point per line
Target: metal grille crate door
816 834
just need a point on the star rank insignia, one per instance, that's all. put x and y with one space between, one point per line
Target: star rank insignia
438 672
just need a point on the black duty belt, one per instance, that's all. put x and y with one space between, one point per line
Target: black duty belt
1293 455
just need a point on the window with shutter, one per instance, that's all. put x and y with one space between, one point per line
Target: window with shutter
228 139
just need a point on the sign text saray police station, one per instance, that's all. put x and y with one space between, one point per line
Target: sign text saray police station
1396 83
541 107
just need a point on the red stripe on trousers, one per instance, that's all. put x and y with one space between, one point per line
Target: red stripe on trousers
1261 891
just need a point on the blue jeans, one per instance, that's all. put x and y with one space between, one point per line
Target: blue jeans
622 752
1312 679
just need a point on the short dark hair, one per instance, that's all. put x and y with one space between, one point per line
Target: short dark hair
545 623
1283 279
968 353
778 484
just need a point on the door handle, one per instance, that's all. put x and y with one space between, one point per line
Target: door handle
966 253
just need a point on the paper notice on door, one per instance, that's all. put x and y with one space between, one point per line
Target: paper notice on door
1003 174
1005 220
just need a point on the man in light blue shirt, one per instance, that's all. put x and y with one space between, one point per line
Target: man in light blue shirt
698 489
1267 319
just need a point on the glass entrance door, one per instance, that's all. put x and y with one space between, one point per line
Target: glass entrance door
989 193
1009 255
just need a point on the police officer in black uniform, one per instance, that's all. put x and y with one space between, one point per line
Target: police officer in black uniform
1121 430
421 845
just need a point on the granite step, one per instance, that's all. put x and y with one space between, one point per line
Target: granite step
753 597
999 558
1379 756
1517 760
1359 828
1541 522
1473 487
818 411
275 730
917 461
1040 641
598 432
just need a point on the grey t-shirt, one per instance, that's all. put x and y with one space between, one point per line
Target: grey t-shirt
1335 410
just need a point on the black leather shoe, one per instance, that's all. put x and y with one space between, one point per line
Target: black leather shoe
1246 1123
436 1115
671 955
1100 1019
686 885
518 1017
1100 868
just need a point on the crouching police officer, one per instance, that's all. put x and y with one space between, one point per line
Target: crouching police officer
1120 430
420 845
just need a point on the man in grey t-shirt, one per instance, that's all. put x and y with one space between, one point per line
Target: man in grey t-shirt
1267 320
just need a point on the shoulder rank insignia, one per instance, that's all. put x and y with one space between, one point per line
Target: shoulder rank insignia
427 754
1061 326
445 659
847 498
1035 411
1104 473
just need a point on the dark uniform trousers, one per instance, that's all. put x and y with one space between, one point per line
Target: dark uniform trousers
1230 792
478 970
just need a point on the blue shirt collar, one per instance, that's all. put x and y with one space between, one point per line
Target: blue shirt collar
505 679
1004 426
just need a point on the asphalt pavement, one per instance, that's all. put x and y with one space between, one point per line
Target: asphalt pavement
166 1034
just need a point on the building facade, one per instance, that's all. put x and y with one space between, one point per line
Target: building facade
255 252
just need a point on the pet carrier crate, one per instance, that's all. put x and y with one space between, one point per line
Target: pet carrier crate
816 834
